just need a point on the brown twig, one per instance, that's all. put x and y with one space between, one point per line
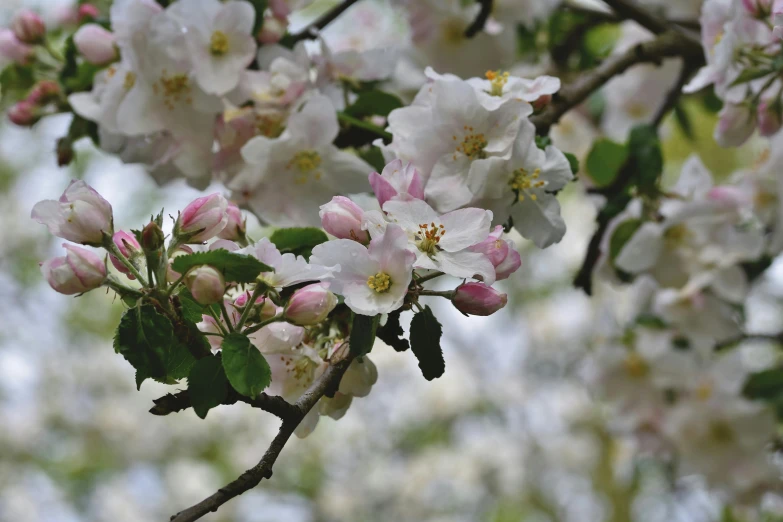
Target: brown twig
274 404
603 16
667 45
688 67
324 385
310 32
480 20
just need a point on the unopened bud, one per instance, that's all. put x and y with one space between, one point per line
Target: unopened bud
770 117
203 218
343 218
206 284
310 305
96 44
478 299
235 227
14 49
152 237
87 12
79 271
28 27
44 92
24 114
272 30
129 246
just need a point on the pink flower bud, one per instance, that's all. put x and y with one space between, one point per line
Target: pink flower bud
206 284
96 44
203 219
729 196
87 12
171 275
28 27
13 49
542 102
501 252
81 215
342 218
235 227
272 30
78 271
266 309
736 125
397 181
770 118
130 248
44 92
310 305
23 113
478 299
280 9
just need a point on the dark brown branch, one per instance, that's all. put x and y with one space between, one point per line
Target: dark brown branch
667 45
628 9
276 405
604 17
324 385
481 19
309 32
673 96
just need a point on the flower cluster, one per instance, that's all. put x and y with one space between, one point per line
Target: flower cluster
741 40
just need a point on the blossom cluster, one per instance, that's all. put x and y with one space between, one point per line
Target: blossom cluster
741 40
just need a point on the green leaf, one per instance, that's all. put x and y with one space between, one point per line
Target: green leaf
605 161
299 241
363 330
82 78
621 235
748 75
146 339
573 162
683 120
766 385
425 343
191 310
374 157
392 333
238 268
542 142
70 65
246 369
207 385
645 148
374 103
15 82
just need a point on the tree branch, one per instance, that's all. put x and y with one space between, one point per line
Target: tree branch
605 17
274 404
309 32
667 45
628 9
480 20
324 386
688 67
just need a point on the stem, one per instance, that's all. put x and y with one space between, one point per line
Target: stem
309 32
112 248
275 319
227 316
480 20
218 322
257 291
429 277
176 284
350 120
449 294
121 289
54 53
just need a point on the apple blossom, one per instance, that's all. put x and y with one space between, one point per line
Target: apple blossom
478 299
502 253
289 269
80 215
373 280
203 218
397 181
96 44
343 219
310 305
79 271
235 227
130 248
206 284
28 27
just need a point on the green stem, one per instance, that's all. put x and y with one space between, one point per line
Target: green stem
227 316
257 291
121 289
218 322
54 53
350 120
260 325
109 245
432 293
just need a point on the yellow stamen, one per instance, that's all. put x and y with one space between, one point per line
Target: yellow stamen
498 81
218 43
307 163
523 181
380 282
636 366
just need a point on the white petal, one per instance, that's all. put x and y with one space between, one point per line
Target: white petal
642 250
465 227
465 264
539 220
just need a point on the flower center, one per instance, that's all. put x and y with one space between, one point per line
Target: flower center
522 181
218 43
721 431
704 391
175 88
636 366
306 163
472 145
429 236
677 234
380 282
130 80
453 31
498 81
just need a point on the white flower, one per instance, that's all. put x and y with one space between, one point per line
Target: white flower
442 242
283 79
219 40
522 187
449 135
499 87
373 280
289 269
288 178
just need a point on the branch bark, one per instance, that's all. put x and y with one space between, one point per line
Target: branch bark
628 9
325 385
274 404
480 20
310 32
667 45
